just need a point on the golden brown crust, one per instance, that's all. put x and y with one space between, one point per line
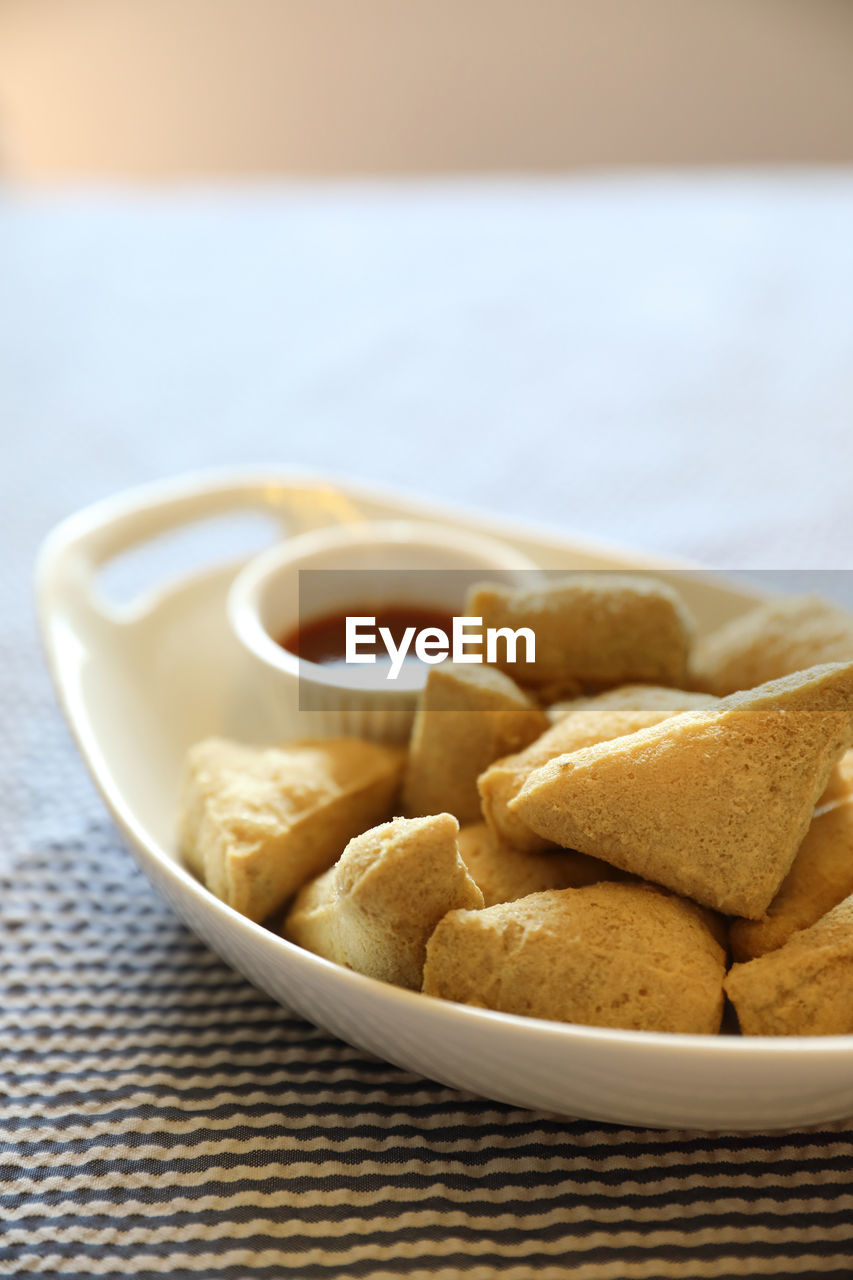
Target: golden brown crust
773 639
632 697
256 823
376 908
504 873
467 717
593 720
803 988
820 877
712 803
607 955
593 629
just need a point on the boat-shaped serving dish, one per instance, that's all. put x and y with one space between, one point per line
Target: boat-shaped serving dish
139 682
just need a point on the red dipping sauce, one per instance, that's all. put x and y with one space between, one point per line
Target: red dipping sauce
323 640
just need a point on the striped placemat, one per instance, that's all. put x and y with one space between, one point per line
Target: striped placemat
160 1116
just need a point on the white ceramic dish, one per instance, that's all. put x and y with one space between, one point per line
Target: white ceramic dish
138 685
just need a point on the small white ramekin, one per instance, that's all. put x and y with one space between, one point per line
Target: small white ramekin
264 605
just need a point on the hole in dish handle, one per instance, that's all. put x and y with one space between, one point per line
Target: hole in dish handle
77 551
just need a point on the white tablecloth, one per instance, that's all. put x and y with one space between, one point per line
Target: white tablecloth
665 362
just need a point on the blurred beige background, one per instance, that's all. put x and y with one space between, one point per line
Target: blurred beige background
159 89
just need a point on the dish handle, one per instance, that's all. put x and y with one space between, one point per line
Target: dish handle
74 552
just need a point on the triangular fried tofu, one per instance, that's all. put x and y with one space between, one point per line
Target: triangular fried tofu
820 877
803 987
375 909
468 716
608 955
712 803
257 822
631 697
504 873
596 720
592 630
772 640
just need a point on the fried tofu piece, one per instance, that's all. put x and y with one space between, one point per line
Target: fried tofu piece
713 803
594 720
606 955
466 718
632 697
821 875
773 639
256 823
592 630
504 873
838 786
376 908
804 988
